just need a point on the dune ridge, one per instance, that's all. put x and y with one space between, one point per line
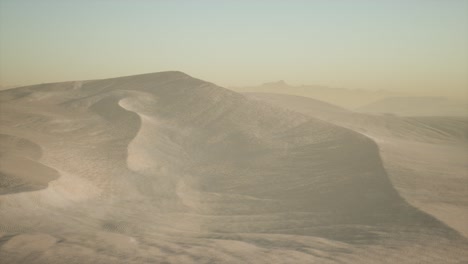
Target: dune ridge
425 156
167 168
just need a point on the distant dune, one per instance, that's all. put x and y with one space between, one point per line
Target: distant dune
347 98
167 168
6 87
417 106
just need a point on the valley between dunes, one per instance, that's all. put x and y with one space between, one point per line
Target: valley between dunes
167 168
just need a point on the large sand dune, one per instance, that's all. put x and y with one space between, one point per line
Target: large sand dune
165 168
426 157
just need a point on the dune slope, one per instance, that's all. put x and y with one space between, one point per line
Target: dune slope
167 168
425 156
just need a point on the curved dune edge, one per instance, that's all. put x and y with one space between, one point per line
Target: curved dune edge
422 155
138 163
20 168
160 179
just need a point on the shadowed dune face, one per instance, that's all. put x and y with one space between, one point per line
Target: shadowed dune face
19 169
171 169
425 156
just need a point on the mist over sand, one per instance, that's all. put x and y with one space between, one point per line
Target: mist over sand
409 103
167 168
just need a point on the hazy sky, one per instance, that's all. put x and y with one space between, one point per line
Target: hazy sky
394 44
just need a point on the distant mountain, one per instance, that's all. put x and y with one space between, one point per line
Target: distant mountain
417 106
347 98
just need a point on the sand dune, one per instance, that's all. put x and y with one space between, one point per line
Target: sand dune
347 98
20 169
166 168
417 106
426 157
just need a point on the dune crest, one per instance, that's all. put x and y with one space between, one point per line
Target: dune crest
425 156
172 169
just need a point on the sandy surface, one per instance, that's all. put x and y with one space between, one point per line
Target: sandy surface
418 106
426 157
165 168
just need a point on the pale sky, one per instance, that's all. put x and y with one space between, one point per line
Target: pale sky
405 45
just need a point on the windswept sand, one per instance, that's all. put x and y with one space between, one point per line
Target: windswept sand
426 157
166 168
